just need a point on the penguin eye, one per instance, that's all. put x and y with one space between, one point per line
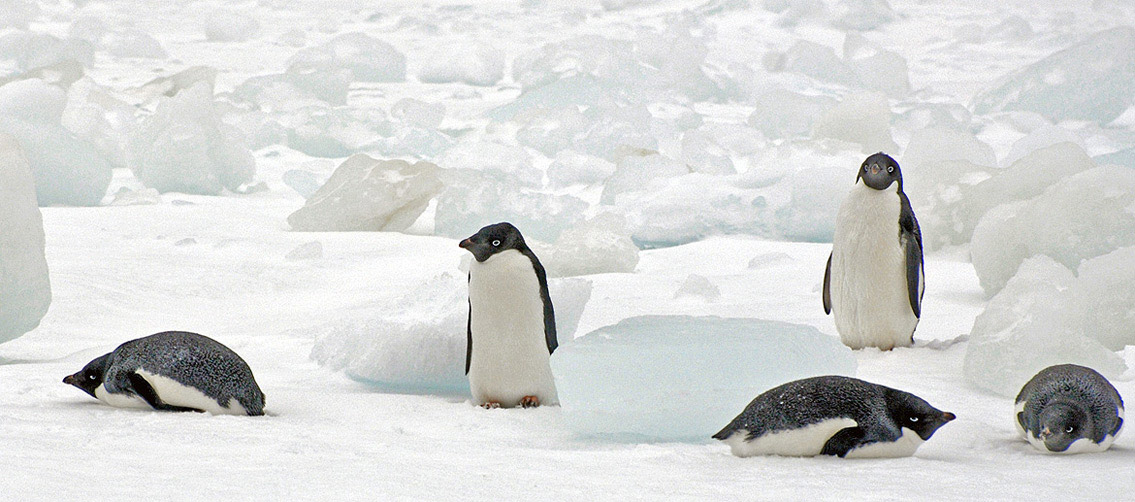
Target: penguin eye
1070 429
891 169
496 243
913 419
91 377
864 167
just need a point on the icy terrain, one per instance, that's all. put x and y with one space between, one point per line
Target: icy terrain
291 177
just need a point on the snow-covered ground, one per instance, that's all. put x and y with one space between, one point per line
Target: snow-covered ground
691 80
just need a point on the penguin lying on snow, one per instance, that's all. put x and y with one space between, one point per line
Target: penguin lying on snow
1069 409
512 327
172 371
833 415
874 278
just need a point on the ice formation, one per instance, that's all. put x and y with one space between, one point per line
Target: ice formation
368 59
1029 325
785 114
816 196
67 170
863 118
1092 80
1080 217
185 147
25 291
482 66
418 345
680 378
599 245
474 199
229 26
366 194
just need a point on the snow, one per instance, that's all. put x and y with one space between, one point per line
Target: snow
366 194
673 378
736 181
25 289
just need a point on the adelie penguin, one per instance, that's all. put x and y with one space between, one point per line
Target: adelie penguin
512 326
1069 409
873 284
833 415
173 371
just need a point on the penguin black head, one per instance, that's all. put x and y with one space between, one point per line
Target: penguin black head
914 413
879 171
1062 423
494 239
91 376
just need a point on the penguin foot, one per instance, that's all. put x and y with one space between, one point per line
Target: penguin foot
491 405
529 402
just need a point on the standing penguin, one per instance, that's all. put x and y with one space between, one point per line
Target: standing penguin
874 278
512 327
833 415
1069 409
172 371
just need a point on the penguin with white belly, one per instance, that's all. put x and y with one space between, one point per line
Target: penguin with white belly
874 280
833 415
512 326
172 371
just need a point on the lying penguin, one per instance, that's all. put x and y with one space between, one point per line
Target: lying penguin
1069 409
833 415
172 371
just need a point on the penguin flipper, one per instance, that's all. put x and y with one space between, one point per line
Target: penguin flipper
469 338
147 393
828 286
844 441
910 236
549 312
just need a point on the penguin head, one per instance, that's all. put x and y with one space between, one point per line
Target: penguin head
1062 423
493 239
879 171
91 376
914 413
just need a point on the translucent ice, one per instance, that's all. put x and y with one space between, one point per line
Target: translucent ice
473 199
366 194
134 43
676 210
295 89
1105 299
185 147
635 173
28 50
25 291
482 66
862 15
679 378
571 168
785 114
884 71
1029 326
698 286
863 118
17 13
368 59
816 195
67 170
1092 80
599 245
229 26
418 345
821 63
1080 217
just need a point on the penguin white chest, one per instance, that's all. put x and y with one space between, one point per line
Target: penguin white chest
509 358
868 286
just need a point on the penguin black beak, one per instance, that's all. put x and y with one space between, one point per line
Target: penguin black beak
465 244
70 380
947 416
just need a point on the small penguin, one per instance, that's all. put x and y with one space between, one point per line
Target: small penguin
511 327
874 277
172 371
833 415
1069 409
